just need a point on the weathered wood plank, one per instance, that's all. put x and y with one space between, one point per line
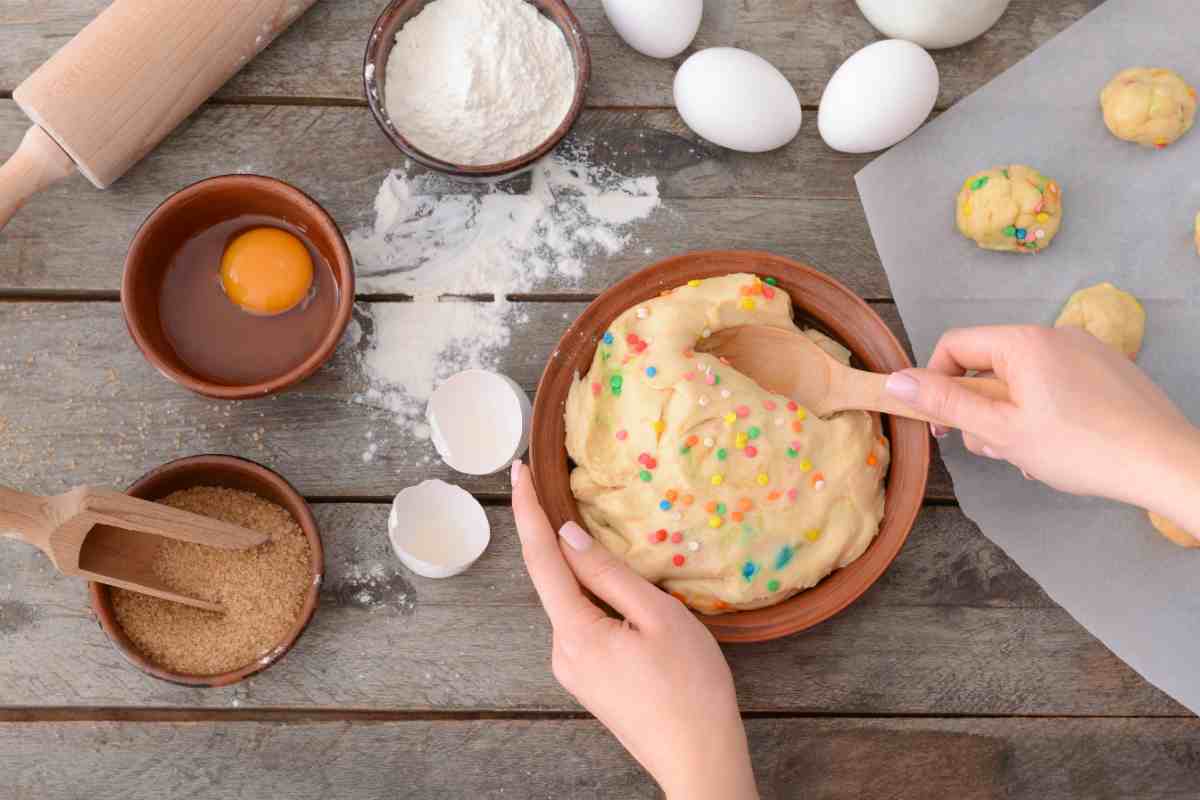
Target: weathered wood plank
800 201
953 628
79 404
807 39
966 759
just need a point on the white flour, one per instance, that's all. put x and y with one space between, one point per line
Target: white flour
479 81
428 244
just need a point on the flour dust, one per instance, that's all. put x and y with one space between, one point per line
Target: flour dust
461 252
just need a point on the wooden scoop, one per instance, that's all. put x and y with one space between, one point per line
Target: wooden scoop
111 538
791 364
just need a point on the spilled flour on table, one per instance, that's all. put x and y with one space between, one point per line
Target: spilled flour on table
445 244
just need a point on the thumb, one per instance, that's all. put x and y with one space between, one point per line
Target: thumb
950 403
610 579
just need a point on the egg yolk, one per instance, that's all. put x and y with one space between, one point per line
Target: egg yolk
266 271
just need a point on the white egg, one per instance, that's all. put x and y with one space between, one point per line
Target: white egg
737 100
656 28
933 23
878 97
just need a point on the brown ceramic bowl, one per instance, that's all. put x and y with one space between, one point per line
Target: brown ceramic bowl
200 206
379 49
231 473
820 302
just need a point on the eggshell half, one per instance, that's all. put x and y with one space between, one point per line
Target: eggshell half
437 529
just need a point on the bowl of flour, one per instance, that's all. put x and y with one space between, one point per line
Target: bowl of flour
476 88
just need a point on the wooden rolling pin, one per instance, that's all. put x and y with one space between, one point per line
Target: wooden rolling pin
128 79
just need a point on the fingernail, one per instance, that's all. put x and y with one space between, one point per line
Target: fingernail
938 431
516 472
903 387
575 536
989 452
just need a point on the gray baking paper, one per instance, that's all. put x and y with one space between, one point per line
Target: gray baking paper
1127 218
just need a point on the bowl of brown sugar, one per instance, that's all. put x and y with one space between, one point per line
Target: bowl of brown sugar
269 593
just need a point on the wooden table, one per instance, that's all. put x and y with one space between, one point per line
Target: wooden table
955 676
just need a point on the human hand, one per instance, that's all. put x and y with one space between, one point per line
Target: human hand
657 680
1082 417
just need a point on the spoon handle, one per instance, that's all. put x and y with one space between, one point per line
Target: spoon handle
865 391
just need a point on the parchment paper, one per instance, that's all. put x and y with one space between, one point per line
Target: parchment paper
1128 214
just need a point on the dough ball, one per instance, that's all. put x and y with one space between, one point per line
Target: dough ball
1173 532
1152 107
1014 208
1113 316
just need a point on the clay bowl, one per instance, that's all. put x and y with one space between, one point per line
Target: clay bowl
199 206
379 49
232 473
819 302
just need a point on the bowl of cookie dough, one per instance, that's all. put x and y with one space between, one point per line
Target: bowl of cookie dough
762 518
476 90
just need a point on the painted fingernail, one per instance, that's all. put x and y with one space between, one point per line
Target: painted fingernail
989 452
575 536
516 472
903 387
938 431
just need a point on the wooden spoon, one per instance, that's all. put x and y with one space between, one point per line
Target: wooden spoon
112 538
791 364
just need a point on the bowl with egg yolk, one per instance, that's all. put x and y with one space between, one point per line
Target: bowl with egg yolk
238 286
818 302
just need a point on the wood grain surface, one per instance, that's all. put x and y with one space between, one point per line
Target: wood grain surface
954 676
953 627
81 405
816 759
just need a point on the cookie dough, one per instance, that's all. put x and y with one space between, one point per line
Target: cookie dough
1152 107
1014 208
1113 316
1172 531
724 494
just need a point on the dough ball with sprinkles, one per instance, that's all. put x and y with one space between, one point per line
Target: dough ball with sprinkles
1012 209
1150 106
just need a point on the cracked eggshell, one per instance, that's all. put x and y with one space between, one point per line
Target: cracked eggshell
656 28
437 529
878 97
934 24
736 99
479 421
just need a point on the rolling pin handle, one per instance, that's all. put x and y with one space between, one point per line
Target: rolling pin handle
37 163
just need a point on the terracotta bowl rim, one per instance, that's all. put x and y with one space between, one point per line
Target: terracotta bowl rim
102 601
342 265
796 613
381 46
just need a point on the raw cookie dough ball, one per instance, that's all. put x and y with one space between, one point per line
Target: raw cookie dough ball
1152 107
1172 531
1111 315
1013 208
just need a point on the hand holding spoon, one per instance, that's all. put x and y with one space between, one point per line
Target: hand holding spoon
112 538
789 363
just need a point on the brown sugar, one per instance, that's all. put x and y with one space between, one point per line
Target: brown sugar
262 589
